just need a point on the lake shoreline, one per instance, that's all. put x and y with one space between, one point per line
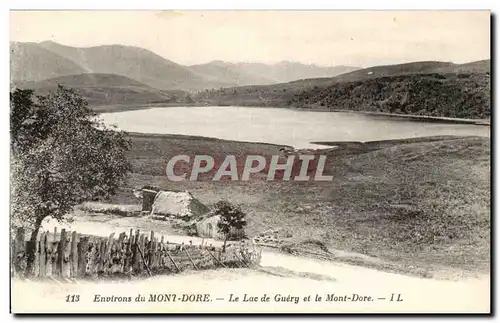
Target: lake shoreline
169 136
284 126
337 147
419 118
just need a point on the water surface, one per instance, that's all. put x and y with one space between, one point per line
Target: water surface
295 128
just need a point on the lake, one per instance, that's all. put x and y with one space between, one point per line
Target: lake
295 128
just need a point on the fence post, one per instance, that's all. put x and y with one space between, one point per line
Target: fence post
53 254
135 252
135 255
74 254
102 255
43 246
109 246
60 253
82 256
155 252
128 253
121 252
145 247
162 254
36 264
66 267
150 248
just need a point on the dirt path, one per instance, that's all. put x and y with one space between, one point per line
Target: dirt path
280 276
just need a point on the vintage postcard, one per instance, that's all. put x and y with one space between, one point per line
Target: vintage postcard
250 162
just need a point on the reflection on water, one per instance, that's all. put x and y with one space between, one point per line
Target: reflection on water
281 126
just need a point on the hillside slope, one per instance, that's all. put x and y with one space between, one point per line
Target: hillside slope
435 88
424 67
133 62
423 202
393 70
263 74
441 95
106 89
31 62
483 66
38 61
227 74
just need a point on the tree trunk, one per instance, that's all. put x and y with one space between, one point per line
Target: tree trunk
31 248
224 246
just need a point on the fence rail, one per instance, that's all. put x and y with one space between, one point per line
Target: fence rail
73 255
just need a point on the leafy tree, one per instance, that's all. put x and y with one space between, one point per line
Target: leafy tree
61 155
231 217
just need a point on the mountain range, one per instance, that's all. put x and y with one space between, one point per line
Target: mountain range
112 77
41 61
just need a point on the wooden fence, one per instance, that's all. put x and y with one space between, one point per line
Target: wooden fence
72 255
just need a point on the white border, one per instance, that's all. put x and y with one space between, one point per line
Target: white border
187 4
256 4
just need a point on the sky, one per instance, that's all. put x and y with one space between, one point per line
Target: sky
326 38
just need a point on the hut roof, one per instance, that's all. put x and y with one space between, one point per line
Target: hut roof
179 204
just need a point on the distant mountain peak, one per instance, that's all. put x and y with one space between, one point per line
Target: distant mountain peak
49 42
219 62
54 59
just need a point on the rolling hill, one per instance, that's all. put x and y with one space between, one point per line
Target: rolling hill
483 66
464 95
229 74
106 89
425 67
285 71
133 62
422 88
263 74
31 62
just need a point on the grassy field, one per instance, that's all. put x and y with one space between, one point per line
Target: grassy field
108 92
419 202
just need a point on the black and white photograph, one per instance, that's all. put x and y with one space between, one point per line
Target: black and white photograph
238 161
